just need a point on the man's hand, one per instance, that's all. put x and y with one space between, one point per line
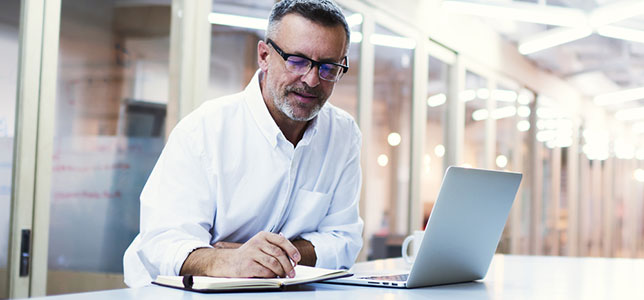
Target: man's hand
306 249
226 245
264 255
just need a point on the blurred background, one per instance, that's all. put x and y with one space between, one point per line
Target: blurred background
89 90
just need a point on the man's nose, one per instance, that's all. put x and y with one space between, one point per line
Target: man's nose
311 78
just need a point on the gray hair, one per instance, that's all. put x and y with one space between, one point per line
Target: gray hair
323 12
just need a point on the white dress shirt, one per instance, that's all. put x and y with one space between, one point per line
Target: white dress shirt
227 172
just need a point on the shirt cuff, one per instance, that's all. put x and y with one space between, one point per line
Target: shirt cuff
326 255
183 251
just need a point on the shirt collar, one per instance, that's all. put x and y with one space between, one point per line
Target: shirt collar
259 111
310 131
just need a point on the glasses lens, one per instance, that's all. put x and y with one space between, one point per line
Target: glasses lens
330 72
298 65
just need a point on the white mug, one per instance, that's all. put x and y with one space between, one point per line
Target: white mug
417 239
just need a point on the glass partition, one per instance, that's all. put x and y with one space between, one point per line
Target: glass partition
507 143
506 116
553 132
345 94
522 161
475 97
9 50
387 187
233 44
112 92
432 171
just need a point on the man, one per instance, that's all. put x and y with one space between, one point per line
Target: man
251 184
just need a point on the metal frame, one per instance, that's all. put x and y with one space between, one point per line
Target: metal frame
34 139
22 201
418 124
45 151
573 194
189 58
455 114
365 113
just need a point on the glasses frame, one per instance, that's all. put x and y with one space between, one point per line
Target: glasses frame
314 63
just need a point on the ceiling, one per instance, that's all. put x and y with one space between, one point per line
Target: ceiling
594 64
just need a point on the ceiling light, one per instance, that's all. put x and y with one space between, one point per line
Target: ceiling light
563 142
355 37
623 33
630 114
439 150
524 12
480 114
616 12
483 93
501 161
436 100
638 174
596 151
499 113
638 128
383 160
546 135
551 38
394 139
504 112
238 21
504 95
640 154
468 95
354 20
523 125
623 149
392 41
523 111
525 97
547 113
620 96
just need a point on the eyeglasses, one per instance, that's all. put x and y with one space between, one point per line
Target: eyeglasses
301 65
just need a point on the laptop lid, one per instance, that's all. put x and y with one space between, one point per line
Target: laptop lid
465 226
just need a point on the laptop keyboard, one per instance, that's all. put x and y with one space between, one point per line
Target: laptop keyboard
400 277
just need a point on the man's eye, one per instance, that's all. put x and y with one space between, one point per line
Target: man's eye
298 61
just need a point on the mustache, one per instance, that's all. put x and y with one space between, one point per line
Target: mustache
303 90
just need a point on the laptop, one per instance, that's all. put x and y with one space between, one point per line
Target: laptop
462 232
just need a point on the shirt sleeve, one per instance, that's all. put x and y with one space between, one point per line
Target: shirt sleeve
177 211
338 238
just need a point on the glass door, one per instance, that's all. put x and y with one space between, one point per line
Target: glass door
9 45
110 112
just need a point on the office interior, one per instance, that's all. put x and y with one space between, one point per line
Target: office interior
89 90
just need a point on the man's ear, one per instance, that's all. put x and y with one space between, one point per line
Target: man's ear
262 56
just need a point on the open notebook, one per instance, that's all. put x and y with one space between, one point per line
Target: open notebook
303 274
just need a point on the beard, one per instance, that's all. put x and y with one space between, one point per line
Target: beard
293 109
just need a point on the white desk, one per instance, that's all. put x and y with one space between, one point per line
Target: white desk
510 277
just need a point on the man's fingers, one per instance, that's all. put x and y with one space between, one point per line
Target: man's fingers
271 263
281 257
285 244
255 269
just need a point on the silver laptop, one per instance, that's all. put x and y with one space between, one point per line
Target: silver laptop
462 232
